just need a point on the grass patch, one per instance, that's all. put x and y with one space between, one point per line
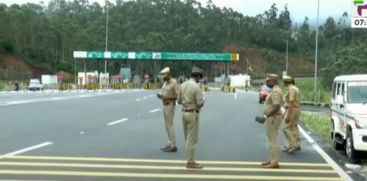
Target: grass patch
306 87
319 123
2 86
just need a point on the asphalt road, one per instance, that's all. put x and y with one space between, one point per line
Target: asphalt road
117 135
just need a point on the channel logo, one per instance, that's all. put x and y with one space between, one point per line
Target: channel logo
359 6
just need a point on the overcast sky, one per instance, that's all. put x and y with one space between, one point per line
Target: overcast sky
299 9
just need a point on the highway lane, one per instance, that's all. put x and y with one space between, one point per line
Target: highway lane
117 136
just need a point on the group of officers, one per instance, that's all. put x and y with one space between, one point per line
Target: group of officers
273 116
189 95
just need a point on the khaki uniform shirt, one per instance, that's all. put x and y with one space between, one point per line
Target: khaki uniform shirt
170 89
274 98
292 94
190 95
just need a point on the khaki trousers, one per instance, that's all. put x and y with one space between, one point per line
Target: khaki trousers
291 130
191 132
169 114
272 130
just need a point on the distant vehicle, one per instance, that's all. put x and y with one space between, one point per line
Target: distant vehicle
264 92
35 84
349 115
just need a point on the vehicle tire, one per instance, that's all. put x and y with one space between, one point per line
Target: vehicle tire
349 149
335 144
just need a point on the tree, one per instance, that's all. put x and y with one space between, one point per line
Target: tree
330 28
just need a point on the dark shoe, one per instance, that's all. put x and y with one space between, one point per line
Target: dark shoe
170 149
265 163
166 147
285 149
293 150
193 165
272 165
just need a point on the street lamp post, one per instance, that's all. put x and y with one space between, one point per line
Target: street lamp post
248 66
286 61
316 49
105 61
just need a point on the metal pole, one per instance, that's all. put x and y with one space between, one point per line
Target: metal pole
226 69
75 77
316 48
85 73
286 60
105 61
248 65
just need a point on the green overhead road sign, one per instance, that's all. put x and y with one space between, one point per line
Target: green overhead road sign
144 55
197 56
95 54
158 56
119 55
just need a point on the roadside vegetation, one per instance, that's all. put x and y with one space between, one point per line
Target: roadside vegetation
319 123
45 35
306 87
2 86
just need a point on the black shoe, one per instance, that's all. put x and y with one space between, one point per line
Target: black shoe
170 149
166 147
285 149
293 150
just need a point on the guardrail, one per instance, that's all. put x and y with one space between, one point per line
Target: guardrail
320 104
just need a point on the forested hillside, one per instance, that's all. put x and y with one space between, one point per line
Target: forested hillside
45 35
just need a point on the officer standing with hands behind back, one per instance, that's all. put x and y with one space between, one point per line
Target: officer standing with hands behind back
169 95
291 117
272 118
192 101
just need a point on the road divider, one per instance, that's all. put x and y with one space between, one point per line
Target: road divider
49 166
166 161
160 167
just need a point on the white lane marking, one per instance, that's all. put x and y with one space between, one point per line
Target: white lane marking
146 97
151 96
22 102
154 110
86 95
66 97
28 149
118 121
326 157
57 98
235 95
16 102
138 99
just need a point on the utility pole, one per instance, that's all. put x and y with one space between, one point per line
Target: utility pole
316 48
286 61
106 48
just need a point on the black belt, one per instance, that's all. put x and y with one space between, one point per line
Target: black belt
190 110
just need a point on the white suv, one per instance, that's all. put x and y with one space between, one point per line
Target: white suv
349 115
35 84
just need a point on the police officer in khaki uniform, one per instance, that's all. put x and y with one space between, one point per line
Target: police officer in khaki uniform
169 95
291 117
192 101
272 118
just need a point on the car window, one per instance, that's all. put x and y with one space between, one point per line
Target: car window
334 90
357 93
